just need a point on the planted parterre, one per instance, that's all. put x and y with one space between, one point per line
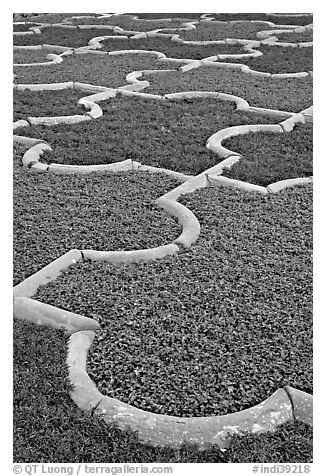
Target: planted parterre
286 94
61 36
280 59
46 103
170 48
171 135
216 329
24 26
31 56
277 19
293 37
269 157
128 23
49 428
58 17
210 31
99 211
96 69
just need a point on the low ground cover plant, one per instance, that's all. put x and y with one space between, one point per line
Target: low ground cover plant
47 103
281 59
57 17
172 49
127 23
285 94
215 330
96 211
295 37
100 70
269 157
210 31
60 432
73 38
172 134
31 56
24 27
278 20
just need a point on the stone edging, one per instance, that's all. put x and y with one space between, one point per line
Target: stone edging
163 430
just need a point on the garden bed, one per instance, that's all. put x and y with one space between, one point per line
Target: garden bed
47 103
291 94
216 330
278 20
210 31
170 48
100 70
295 37
269 157
24 27
101 211
172 135
73 38
127 23
280 59
31 56
49 428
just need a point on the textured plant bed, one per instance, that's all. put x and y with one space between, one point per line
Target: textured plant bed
23 27
268 157
295 37
170 48
281 59
151 16
47 103
31 56
73 38
172 135
100 70
278 20
127 23
210 31
293 94
290 443
219 328
53 214
56 17
41 404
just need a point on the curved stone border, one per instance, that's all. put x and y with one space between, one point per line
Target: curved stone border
165 430
284 405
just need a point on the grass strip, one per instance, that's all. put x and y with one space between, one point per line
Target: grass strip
172 135
293 94
49 428
210 31
100 70
47 103
280 59
53 214
215 330
268 157
171 49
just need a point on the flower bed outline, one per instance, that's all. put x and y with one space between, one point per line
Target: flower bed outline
284 405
